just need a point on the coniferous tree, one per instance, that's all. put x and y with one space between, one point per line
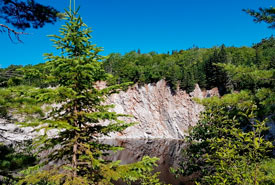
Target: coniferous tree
211 70
200 75
25 14
188 82
78 117
263 15
257 57
223 82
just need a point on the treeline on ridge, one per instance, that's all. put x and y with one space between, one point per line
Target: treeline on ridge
185 68
182 69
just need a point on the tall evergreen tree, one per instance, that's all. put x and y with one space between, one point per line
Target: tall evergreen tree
79 117
223 82
211 70
188 82
200 75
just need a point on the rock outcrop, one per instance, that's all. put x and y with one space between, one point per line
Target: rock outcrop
158 112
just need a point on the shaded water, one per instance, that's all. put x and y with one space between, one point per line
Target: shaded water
167 150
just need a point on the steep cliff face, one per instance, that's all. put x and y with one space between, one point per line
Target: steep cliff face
158 112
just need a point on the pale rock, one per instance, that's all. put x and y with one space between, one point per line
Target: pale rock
158 113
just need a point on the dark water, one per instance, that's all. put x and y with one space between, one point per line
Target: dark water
168 151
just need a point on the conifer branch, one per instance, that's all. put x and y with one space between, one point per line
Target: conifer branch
5 28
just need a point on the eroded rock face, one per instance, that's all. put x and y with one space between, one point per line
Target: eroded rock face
158 112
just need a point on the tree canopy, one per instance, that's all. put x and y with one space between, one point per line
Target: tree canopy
24 14
266 15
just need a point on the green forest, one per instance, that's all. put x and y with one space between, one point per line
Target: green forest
209 68
230 145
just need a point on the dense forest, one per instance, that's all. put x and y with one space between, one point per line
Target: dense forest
182 69
185 68
231 144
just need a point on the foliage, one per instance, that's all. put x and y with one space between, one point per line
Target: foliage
263 15
215 75
267 171
12 161
139 172
227 145
72 115
9 74
183 69
249 77
186 68
25 14
265 53
237 155
20 96
258 78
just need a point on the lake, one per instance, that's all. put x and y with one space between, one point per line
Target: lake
167 150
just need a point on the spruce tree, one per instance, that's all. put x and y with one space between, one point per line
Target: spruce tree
76 116
188 81
211 70
221 76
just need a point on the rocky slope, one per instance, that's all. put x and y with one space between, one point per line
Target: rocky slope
158 112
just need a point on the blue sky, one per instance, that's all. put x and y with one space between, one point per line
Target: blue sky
151 25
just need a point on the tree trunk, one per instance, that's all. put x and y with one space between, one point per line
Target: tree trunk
74 159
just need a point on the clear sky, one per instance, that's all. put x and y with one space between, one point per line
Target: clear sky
151 25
